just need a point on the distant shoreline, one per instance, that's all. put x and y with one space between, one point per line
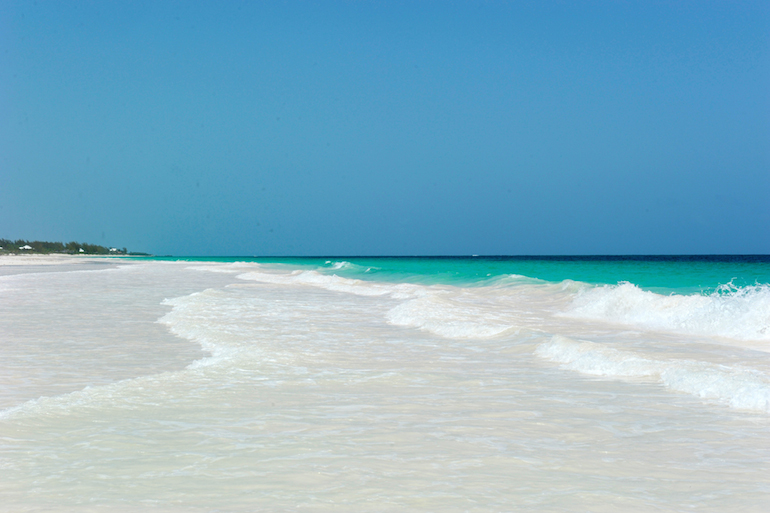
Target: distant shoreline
38 247
17 259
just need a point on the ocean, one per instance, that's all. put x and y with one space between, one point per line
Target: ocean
386 384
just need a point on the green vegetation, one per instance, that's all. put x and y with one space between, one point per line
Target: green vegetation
70 248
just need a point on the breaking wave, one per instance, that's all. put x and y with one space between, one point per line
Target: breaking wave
741 313
739 388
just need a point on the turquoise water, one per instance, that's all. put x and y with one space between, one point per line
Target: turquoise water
663 274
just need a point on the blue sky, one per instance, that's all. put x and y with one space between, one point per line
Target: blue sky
387 128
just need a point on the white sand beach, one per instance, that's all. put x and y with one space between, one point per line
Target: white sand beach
37 263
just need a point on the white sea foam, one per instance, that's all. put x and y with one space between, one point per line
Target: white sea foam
446 317
231 267
126 394
341 265
514 279
427 308
349 266
338 284
736 387
227 327
737 313
190 319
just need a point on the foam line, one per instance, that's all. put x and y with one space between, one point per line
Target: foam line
739 388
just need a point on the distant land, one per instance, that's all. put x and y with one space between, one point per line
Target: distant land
22 246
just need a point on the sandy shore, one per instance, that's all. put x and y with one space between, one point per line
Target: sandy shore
16 259
23 264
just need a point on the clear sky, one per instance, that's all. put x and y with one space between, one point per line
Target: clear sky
387 128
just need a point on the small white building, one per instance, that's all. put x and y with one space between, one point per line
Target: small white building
113 250
26 246
81 250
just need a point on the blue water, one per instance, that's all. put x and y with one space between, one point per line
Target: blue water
664 274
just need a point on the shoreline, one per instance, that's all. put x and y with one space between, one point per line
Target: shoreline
13 264
15 259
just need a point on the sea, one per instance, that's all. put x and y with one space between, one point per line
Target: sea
446 384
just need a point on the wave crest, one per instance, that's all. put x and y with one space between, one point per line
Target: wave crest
741 313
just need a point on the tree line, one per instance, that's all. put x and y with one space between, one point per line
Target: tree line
71 248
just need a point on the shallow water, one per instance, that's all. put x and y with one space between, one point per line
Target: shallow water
221 386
